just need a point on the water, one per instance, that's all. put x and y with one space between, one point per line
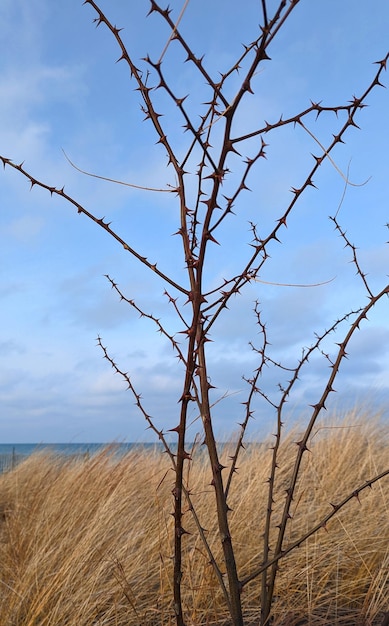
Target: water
13 453
26 449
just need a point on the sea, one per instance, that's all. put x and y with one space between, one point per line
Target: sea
11 454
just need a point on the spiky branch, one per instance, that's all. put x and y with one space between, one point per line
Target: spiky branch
205 165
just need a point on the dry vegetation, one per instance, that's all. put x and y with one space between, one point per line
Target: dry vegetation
88 542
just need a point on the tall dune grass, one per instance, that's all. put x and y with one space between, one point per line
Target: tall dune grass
89 542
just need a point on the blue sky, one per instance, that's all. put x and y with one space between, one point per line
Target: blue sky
61 90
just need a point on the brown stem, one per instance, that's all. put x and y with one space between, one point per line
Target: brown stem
221 501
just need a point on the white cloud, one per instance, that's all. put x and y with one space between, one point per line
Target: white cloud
52 261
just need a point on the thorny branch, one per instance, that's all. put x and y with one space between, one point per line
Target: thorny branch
335 508
99 221
200 221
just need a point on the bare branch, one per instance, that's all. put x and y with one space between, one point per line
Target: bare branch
320 525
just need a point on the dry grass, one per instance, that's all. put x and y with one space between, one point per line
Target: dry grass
89 542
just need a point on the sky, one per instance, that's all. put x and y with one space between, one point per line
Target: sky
62 90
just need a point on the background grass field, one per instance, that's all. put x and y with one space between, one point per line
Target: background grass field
89 542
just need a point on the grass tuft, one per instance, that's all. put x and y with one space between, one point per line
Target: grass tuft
89 542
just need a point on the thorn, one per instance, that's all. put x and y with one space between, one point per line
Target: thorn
302 446
317 159
175 430
98 21
382 63
211 238
152 8
5 161
378 83
247 87
352 123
